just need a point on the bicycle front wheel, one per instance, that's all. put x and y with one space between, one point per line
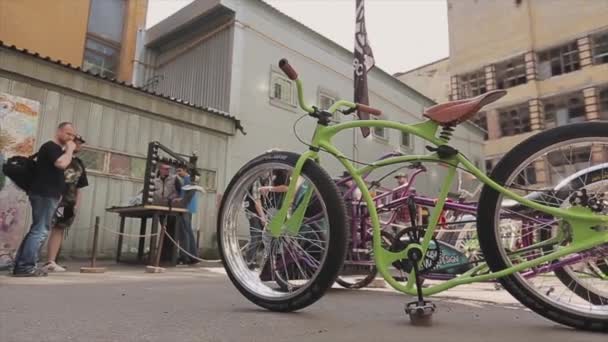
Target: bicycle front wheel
553 168
294 269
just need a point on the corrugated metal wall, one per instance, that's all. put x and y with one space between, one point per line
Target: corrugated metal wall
199 74
111 126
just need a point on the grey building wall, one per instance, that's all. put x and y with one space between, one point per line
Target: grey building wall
261 36
118 120
194 67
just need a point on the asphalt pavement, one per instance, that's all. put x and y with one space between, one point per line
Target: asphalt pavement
200 304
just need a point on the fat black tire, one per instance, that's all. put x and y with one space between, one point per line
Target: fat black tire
488 203
336 249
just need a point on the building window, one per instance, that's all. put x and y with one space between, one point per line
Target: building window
406 141
379 132
511 73
564 109
527 176
208 179
600 47
326 101
104 37
472 84
489 165
113 163
94 160
559 60
282 89
128 166
109 163
603 103
568 160
514 120
481 120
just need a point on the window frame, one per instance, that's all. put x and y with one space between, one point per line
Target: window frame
472 84
556 57
603 36
489 164
280 102
558 170
329 95
105 163
410 142
507 122
559 102
117 45
202 182
602 103
528 173
481 120
511 73
382 138
108 153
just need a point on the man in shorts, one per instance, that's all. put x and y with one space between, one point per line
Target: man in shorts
75 179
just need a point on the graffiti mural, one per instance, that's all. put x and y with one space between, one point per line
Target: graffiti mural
18 126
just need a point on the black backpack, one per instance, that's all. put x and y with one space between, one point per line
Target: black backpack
21 170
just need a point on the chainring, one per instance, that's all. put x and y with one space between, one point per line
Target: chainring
408 236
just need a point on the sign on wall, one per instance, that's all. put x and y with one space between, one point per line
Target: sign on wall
18 127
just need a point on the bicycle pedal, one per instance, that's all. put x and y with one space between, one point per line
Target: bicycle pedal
420 313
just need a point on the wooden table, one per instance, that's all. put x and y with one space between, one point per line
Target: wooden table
144 213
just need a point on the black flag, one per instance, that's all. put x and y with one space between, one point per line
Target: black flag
363 62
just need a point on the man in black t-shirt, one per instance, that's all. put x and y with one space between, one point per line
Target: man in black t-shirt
75 179
48 184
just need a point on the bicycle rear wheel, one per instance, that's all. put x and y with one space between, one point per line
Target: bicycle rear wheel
537 166
293 270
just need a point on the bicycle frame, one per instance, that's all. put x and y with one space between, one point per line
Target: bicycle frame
581 220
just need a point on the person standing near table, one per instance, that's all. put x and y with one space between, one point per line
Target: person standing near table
167 188
190 202
47 186
75 179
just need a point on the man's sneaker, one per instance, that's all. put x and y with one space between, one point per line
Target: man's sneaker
37 272
52 266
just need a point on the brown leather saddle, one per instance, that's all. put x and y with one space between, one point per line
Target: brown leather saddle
454 112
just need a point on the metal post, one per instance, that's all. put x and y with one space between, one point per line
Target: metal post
161 238
95 237
93 268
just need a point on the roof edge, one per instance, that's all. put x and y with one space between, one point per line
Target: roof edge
69 66
401 73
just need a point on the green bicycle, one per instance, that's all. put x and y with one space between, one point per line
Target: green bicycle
282 235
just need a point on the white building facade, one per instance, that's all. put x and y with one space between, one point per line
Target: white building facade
224 54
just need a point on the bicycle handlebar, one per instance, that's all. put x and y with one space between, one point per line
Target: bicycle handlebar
369 110
288 69
291 73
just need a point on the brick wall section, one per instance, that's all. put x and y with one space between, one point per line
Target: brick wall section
584 51
490 72
591 105
536 114
454 88
541 172
493 122
530 60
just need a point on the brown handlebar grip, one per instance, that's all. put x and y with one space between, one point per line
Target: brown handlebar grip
288 70
368 109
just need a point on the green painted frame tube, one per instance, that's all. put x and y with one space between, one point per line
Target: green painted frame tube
581 220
